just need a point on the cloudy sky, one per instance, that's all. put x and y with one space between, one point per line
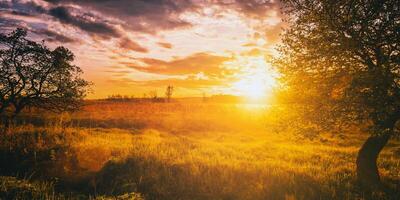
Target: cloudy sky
132 47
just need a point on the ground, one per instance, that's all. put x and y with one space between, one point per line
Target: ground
184 150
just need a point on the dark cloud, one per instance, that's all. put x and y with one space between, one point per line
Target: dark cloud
100 17
52 36
130 45
138 15
22 8
255 8
11 13
134 8
194 64
144 7
7 24
20 13
95 27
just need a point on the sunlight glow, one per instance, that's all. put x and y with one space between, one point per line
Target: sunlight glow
255 79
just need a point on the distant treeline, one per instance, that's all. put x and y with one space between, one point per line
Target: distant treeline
153 98
118 97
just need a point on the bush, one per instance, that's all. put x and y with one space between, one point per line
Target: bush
12 188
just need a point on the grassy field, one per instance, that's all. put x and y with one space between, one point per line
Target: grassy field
127 150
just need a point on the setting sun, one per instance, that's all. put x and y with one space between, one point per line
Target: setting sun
256 78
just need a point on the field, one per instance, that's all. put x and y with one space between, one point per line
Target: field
181 150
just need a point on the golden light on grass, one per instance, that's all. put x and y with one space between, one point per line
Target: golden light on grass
256 78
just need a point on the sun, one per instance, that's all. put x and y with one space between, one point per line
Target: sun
253 87
255 79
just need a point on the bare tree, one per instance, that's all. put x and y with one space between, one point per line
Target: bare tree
340 64
168 92
33 75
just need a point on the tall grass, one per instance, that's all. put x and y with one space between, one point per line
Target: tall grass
188 151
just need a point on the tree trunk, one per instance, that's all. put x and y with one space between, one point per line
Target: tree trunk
6 124
367 169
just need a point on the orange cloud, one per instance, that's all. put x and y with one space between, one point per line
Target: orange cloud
165 45
130 45
189 82
193 64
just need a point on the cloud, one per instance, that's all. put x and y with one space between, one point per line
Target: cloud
130 45
194 33
92 26
273 33
140 15
165 45
189 82
9 24
52 36
11 13
111 18
249 8
193 64
255 7
23 8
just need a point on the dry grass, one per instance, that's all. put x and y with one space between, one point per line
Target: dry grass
199 151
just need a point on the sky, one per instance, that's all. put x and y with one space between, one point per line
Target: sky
137 47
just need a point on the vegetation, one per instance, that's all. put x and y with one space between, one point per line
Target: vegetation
12 188
340 66
33 75
186 150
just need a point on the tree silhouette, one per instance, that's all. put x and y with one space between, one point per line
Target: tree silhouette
340 65
33 75
168 92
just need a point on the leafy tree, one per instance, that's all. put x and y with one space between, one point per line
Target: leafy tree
33 75
340 67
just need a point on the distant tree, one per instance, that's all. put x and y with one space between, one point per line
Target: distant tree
168 92
340 66
33 75
116 97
